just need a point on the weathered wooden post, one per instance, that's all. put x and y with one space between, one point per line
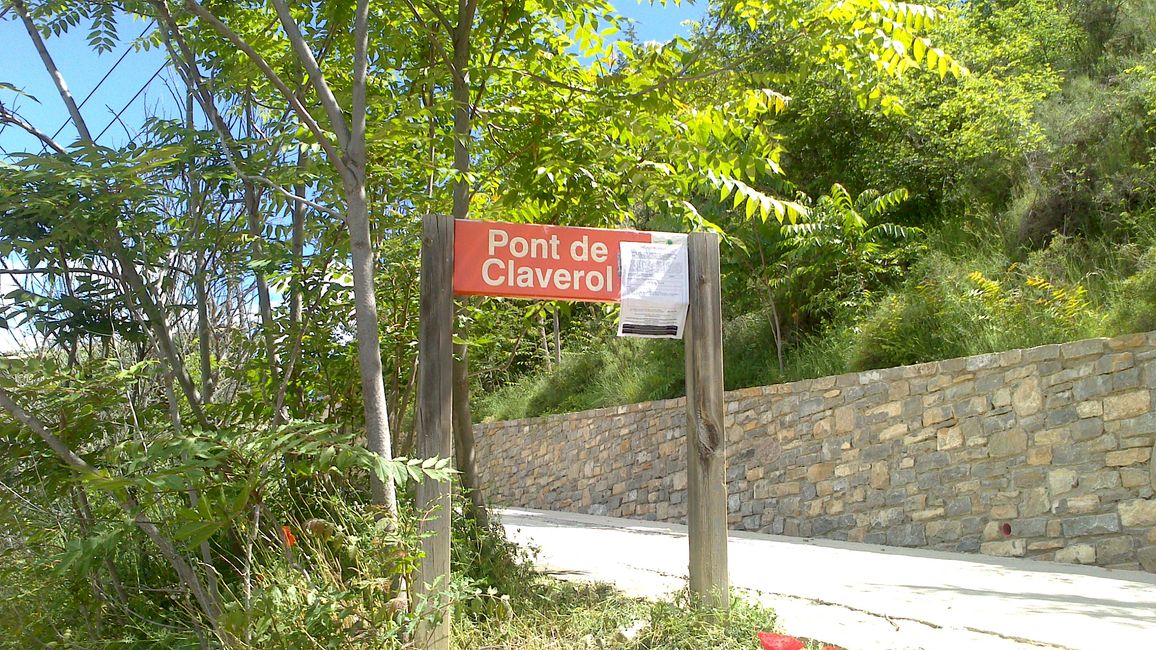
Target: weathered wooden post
705 435
434 392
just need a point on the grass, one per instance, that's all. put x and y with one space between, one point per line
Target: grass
971 293
550 614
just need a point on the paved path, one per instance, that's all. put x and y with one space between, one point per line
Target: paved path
866 597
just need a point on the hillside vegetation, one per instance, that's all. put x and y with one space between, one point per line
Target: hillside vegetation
1009 208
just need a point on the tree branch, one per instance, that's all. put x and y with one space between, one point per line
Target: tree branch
8 117
270 74
50 65
316 76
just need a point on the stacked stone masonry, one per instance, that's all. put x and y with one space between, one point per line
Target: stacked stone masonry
1044 453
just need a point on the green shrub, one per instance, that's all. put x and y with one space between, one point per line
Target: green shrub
619 371
1134 308
907 328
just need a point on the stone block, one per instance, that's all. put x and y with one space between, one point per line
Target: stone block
1105 479
897 430
1137 513
1090 409
1115 550
1034 502
1026 397
1077 554
1005 548
1030 527
909 535
992 531
1007 443
1001 398
1084 348
1090 387
972 407
1134 477
996 423
927 515
820 471
1126 457
844 419
919 436
1042 353
1127 405
949 438
783 489
943 531
1126 379
1080 505
1061 416
1004 511
1147 558
1110 363
1056 400
1053 437
935 415
981 361
1091 525
880 476
1040 455
958 506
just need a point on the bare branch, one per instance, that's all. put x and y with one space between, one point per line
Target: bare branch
50 66
50 270
8 117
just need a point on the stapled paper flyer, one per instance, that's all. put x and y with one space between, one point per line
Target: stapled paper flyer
655 294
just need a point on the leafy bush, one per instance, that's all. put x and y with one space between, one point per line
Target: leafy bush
951 312
1134 309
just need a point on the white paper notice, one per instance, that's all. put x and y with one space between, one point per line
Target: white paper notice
655 294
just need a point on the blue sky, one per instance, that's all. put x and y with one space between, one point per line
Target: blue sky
83 68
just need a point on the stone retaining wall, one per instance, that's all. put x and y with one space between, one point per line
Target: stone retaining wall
1044 452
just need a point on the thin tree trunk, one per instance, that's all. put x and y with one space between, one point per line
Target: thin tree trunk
194 498
546 356
462 419
557 337
365 302
776 328
351 167
200 291
296 300
256 232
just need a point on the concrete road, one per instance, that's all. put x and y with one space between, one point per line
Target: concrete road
861 596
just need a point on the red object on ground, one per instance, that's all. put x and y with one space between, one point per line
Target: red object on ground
772 641
290 540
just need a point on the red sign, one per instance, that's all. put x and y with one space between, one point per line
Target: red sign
531 261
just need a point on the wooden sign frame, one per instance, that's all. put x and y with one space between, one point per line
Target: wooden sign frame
706 434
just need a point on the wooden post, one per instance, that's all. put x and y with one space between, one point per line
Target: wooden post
434 392
705 435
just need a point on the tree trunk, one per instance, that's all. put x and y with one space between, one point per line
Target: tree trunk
463 429
557 337
365 302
